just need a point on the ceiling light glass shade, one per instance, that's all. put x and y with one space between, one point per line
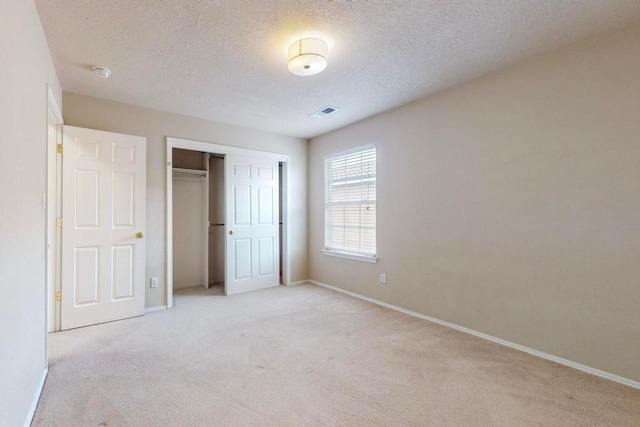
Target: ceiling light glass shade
308 57
102 72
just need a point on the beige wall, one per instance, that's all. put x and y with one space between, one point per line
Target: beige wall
187 159
25 70
156 125
511 205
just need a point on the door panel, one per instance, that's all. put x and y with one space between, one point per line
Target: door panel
242 205
242 170
265 205
265 256
122 272
87 200
87 149
103 207
125 154
243 259
252 224
123 214
85 281
265 173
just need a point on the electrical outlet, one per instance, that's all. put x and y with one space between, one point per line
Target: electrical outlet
154 282
383 277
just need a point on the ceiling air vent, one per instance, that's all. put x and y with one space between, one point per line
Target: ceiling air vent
324 112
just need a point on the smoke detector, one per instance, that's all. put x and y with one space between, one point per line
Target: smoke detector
102 72
324 112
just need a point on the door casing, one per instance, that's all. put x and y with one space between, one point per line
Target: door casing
206 147
52 203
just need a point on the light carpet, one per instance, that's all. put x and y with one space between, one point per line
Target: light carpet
308 356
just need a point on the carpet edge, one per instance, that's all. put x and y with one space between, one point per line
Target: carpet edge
575 365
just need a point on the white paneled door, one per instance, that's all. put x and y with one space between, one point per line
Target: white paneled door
103 226
252 226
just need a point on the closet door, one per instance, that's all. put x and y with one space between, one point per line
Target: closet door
252 227
103 226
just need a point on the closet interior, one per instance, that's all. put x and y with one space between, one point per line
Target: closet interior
198 220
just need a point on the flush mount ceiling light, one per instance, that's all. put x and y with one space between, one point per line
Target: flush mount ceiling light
308 56
102 72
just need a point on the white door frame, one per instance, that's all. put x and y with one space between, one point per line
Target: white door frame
207 147
52 205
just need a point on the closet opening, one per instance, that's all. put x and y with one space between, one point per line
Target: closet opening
198 220
199 235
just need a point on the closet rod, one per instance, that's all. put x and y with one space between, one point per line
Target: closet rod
189 172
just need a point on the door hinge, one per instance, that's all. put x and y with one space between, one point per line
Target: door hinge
59 222
58 296
59 148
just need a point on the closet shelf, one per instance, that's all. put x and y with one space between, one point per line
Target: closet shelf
189 172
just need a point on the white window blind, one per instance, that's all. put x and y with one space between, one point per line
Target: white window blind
350 202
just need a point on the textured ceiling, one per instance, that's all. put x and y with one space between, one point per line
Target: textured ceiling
226 60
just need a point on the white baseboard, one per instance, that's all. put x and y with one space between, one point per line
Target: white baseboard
299 282
36 398
156 308
571 364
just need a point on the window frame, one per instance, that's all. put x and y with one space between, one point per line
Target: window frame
340 252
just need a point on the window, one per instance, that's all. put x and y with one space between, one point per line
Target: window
350 204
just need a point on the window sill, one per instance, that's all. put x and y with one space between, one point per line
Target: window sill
352 256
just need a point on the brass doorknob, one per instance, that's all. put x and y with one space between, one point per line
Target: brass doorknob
230 232
138 235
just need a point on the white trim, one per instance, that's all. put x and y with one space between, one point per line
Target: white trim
350 255
53 105
156 308
299 282
169 212
593 371
212 148
36 398
51 254
209 147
